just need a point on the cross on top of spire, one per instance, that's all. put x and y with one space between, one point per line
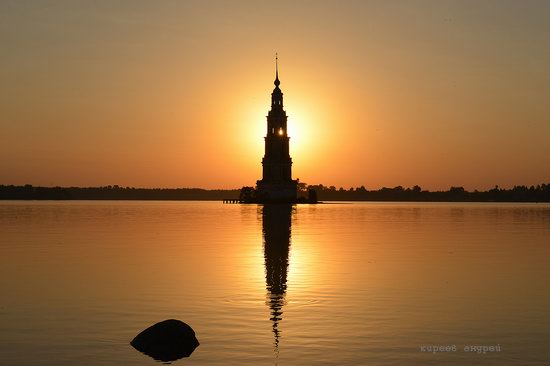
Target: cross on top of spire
277 82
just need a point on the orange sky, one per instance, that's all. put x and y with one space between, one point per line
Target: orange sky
175 94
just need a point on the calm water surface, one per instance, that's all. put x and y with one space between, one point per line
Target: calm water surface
331 284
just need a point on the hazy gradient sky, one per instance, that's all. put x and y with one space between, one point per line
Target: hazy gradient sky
175 93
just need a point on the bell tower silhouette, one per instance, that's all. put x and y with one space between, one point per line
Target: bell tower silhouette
276 183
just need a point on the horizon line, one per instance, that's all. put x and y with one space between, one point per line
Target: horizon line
337 188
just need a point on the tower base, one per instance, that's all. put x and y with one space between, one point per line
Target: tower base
277 191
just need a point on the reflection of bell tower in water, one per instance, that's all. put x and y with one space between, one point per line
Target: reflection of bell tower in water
276 222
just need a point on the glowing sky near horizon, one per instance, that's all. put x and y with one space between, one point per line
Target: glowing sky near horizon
175 94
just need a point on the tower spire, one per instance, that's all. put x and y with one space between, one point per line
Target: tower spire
277 82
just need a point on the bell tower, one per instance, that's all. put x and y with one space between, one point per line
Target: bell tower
276 183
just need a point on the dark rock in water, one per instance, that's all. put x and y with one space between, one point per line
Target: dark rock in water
166 341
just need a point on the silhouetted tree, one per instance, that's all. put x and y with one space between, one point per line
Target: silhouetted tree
302 187
312 196
247 194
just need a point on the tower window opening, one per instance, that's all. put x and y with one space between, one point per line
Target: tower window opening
281 131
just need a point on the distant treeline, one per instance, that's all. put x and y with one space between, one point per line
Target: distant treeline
29 192
539 193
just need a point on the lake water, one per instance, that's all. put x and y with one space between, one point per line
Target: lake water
328 284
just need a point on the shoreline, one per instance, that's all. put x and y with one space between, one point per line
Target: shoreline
518 194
